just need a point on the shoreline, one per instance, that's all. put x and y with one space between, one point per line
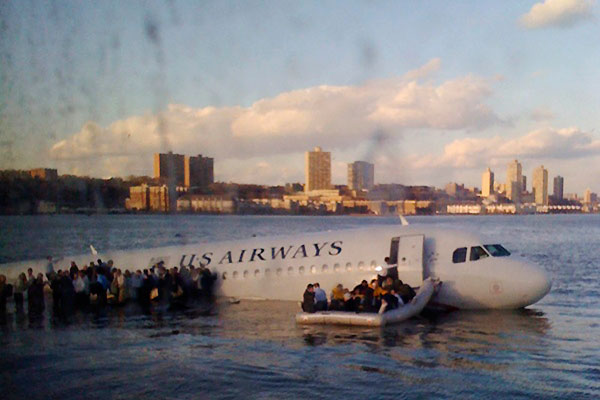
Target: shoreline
278 214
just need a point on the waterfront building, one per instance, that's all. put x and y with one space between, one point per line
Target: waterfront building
206 204
159 199
317 170
540 185
515 192
527 197
514 181
572 197
361 175
198 171
499 187
47 174
138 198
487 183
589 197
150 198
558 187
453 189
170 168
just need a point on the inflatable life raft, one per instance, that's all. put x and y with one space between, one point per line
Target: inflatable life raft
412 308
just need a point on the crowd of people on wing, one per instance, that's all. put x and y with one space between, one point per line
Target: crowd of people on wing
382 294
95 285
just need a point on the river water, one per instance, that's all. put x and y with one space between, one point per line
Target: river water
255 350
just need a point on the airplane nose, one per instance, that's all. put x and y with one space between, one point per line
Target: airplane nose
540 284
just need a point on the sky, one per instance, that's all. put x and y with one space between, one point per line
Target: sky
430 92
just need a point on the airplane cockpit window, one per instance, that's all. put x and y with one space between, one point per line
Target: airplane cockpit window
477 252
496 250
459 255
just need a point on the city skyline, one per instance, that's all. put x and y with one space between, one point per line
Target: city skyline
428 109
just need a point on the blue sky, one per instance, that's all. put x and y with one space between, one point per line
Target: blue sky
96 88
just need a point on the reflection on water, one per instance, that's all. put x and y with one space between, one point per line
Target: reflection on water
261 337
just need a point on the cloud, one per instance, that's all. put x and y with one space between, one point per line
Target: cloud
542 114
557 13
335 117
540 144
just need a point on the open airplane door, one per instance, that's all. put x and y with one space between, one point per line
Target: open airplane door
407 252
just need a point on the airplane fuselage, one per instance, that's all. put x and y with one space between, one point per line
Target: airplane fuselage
281 267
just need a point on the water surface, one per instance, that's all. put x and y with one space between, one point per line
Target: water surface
255 350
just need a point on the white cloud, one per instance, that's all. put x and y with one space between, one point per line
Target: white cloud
562 151
540 144
542 114
335 117
557 13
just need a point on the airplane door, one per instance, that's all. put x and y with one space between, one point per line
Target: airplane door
407 252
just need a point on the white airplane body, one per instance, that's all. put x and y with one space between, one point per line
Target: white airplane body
473 274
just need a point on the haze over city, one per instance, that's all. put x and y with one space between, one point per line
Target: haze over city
430 94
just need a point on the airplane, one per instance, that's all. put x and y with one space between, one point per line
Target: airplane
475 273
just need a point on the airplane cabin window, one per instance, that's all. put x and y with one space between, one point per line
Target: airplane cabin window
459 255
268 272
496 250
313 269
224 276
279 271
477 252
301 270
336 267
235 274
245 274
373 264
257 273
348 267
325 268
290 270
361 266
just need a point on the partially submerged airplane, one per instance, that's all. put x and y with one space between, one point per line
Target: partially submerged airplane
475 274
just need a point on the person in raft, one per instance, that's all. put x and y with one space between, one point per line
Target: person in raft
308 303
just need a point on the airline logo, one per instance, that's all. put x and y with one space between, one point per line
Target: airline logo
263 254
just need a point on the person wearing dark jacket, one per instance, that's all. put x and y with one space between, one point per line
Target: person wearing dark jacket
207 280
144 291
54 279
4 293
35 297
405 291
73 270
308 303
67 296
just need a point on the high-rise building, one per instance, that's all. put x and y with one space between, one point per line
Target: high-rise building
524 183
487 183
361 175
558 187
515 192
170 168
514 181
590 197
540 185
198 171
317 170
